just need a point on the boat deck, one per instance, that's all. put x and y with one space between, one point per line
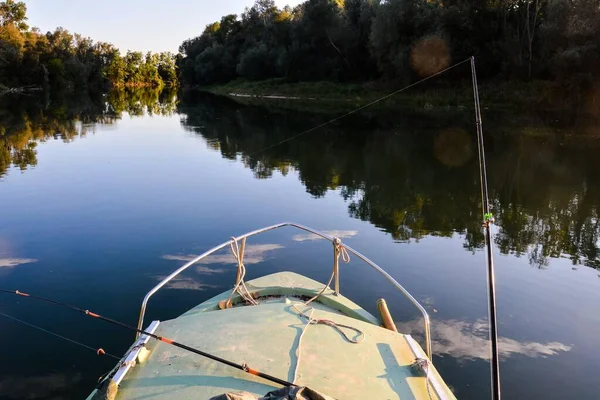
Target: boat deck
266 338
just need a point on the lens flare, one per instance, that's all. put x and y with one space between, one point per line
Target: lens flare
429 55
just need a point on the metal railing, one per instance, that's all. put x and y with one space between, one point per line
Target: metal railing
336 272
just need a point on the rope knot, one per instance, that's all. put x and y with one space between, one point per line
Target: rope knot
423 365
340 249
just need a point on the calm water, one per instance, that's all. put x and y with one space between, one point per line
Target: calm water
101 198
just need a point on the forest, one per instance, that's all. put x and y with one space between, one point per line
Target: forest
389 42
64 61
397 41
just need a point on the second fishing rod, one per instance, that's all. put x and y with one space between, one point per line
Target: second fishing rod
241 367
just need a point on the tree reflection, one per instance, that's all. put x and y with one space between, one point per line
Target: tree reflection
415 175
411 174
27 120
139 102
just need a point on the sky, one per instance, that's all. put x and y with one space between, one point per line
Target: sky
142 25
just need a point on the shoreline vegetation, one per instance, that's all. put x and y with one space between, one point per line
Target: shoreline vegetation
59 61
335 55
529 53
336 97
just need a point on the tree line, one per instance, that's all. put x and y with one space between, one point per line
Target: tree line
399 40
64 61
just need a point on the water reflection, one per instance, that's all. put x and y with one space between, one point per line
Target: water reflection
469 340
411 174
49 386
185 283
141 102
335 233
14 262
26 120
415 175
253 254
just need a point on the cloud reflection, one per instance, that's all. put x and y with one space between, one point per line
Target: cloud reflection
254 254
14 262
469 340
311 236
185 283
209 271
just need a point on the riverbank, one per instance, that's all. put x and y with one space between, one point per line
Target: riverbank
329 96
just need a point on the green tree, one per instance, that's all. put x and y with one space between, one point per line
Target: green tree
13 13
63 61
397 27
167 68
570 35
400 40
116 71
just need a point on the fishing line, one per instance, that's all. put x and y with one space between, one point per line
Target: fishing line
487 216
241 367
98 351
387 96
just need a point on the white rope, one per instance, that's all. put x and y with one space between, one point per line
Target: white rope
242 290
240 285
340 251
313 321
298 352
424 365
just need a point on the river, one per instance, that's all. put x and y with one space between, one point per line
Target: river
101 198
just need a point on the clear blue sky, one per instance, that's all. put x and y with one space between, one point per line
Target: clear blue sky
156 25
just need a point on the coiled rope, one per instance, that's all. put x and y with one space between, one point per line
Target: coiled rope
240 285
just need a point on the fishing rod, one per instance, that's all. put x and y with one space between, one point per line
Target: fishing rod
488 219
99 351
241 367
